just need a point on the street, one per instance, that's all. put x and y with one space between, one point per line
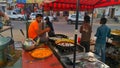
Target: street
68 29
60 27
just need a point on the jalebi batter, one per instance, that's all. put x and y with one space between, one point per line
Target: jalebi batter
41 53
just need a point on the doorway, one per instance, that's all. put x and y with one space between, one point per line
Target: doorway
111 12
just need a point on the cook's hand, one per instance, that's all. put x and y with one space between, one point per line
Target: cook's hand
47 29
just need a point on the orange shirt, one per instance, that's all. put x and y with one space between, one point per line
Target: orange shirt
32 30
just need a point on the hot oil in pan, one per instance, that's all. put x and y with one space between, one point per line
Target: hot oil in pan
68 48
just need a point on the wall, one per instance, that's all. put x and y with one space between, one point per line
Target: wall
117 11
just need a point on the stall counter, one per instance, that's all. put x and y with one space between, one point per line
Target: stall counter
49 62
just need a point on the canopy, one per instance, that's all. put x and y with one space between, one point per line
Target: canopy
60 5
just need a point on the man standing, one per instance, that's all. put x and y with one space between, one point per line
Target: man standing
36 31
102 33
85 31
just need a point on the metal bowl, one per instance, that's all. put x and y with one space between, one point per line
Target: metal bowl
29 44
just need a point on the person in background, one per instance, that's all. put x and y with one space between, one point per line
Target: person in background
85 31
36 31
4 19
102 33
51 33
1 14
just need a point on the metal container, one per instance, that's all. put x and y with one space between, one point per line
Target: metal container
115 35
10 48
29 44
4 43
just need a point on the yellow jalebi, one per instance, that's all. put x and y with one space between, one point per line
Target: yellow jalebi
64 40
115 32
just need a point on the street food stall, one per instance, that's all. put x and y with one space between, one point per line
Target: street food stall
113 47
64 50
58 53
78 5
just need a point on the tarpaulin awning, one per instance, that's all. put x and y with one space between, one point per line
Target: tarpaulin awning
60 5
